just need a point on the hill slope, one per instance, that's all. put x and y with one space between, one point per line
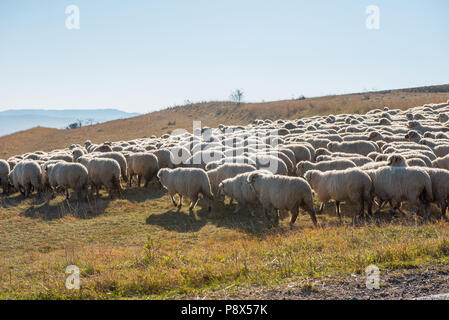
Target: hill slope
22 119
214 113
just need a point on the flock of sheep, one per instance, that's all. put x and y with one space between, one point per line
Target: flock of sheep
382 157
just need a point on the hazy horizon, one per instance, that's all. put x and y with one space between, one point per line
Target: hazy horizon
143 56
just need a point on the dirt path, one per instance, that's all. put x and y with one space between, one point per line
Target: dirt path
399 284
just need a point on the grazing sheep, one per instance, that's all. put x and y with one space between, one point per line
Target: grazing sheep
164 158
68 175
358 161
225 171
4 173
442 163
302 152
120 158
143 165
277 192
104 172
350 185
338 164
440 188
360 147
188 182
237 188
270 163
76 153
397 184
27 174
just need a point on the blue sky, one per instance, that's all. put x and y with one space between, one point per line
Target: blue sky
144 55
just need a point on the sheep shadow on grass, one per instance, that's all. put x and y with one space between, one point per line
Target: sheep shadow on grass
177 220
142 194
57 210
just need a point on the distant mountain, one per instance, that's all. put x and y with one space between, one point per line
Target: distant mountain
22 119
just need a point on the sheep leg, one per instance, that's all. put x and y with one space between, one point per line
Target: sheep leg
173 200
295 213
443 210
27 190
237 208
180 202
230 201
67 196
251 212
139 179
323 204
130 179
267 216
193 202
337 208
276 217
308 207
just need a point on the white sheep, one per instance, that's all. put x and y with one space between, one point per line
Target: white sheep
68 175
27 174
397 184
225 171
359 147
276 192
338 164
188 182
144 165
104 172
350 185
4 173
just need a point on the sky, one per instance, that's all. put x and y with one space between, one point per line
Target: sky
144 55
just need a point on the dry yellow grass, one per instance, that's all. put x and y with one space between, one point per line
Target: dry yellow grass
139 246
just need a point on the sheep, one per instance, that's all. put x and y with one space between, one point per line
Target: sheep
202 158
285 159
4 173
440 188
338 164
120 158
76 153
143 165
442 163
350 185
68 175
27 174
236 160
270 163
238 188
164 158
359 147
104 172
188 182
399 184
277 192
302 152
64 157
102 148
225 171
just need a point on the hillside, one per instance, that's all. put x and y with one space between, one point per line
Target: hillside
214 113
21 119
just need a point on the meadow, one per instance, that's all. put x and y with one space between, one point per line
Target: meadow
139 246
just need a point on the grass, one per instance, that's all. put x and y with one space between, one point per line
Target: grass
139 246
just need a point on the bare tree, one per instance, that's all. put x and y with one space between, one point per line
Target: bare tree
237 96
